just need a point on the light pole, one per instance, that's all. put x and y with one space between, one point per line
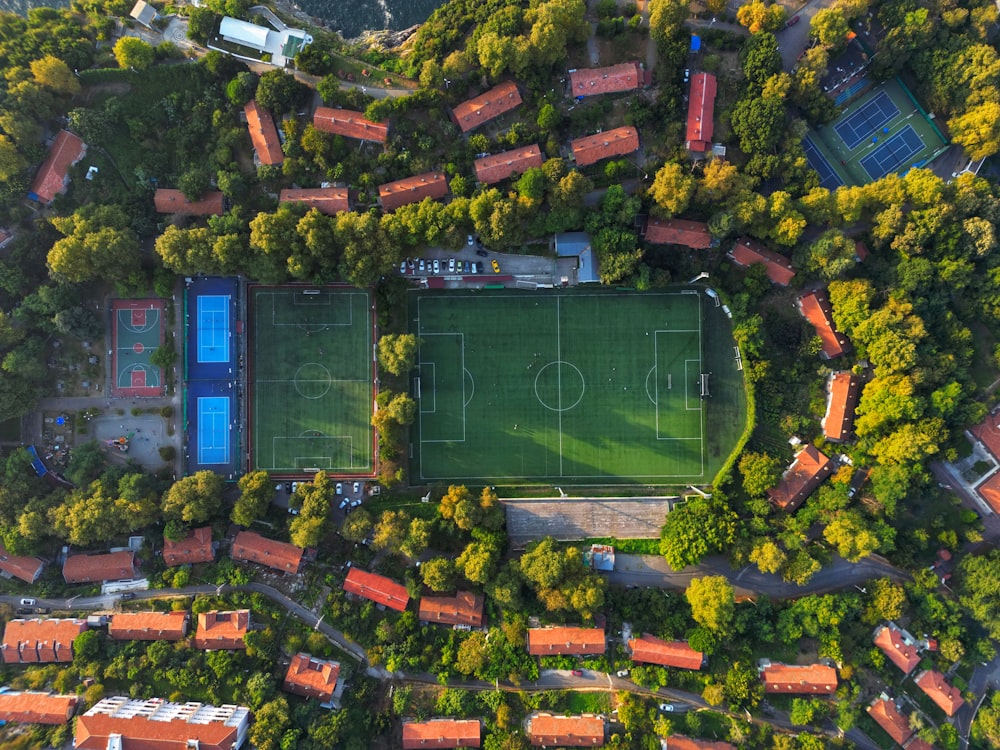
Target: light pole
699 277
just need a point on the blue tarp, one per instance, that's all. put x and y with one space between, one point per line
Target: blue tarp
695 43
36 462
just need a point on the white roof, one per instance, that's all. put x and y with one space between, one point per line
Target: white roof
243 32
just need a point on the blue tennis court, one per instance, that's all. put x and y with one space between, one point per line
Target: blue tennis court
893 153
213 325
213 430
828 178
857 127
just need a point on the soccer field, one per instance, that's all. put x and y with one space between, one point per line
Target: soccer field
584 387
311 380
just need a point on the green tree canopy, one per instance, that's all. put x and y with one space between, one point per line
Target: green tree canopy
133 53
193 499
713 602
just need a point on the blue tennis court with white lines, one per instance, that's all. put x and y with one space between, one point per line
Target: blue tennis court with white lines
893 153
214 429
213 328
828 178
861 124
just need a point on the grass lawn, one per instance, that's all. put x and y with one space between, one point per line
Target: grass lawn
588 703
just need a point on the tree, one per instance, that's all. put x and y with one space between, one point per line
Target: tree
242 88
397 352
193 499
256 493
357 526
851 535
472 654
759 122
986 729
702 527
666 20
768 557
11 161
803 711
978 130
438 574
672 189
55 74
760 57
885 601
86 647
390 530
133 53
713 602
418 536
200 24
270 723
832 254
758 16
760 473
980 589
830 27
478 562
279 92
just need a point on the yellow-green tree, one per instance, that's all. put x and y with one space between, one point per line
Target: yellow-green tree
713 602
54 74
132 53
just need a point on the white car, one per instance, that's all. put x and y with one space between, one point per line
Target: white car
667 707
437 266
421 265
356 503
344 503
451 265
357 488
469 240
339 488
402 267
622 673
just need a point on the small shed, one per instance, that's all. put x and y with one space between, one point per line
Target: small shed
144 13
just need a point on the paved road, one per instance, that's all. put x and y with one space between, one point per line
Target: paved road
984 678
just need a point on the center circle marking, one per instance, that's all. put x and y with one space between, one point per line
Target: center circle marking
312 380
561 378
138 348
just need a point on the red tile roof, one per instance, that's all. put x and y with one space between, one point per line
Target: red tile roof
566 640
652 650
680 742
678 232
592 148
746 252
196 547
438 733
793 678
844 392
565 731
947 697
990 491
887 716
609 80
26 568
412 190
263 134
149 626
465 608
40 641
918 744
67 150
36 708
860 251
169 201
894 644
249 546
329 201
987 432
379 589
701 111
815 307
806 473
222 630
498 167
349 124
474 112
111 566
311 677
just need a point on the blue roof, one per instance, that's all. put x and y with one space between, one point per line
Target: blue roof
571 244
695 42
587 270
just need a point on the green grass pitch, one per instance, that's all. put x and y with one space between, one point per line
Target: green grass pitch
311 380
582 387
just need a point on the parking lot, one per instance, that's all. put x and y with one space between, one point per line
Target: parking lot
529 268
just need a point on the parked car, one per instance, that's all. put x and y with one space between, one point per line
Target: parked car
496 266
127 596
622 673
469 240
687 74
481 253
792 21
451 265
667 707
25 611
437 266
411 264
345 502
420 265
356 502
475 267
28 602
357 487
578 673
339 489
402 267
288 487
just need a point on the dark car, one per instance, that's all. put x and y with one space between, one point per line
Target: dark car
482 253
288 487
127 596
25 611
792 21
578 673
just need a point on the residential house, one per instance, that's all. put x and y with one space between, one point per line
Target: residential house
701 112
263 134
36 708
195 547
898 645
245 34
614 79
53 176
800 480
149 626
947 697
349 124
144 13
843 391
28 569
577 245
120 723
222 630
465 608
110 566
312 678
649 649
499 167
987 434
438 733
680 742
693 234
40 641
567 641
815 307
887 715
799 679
250 546
168 201
472 113
379 589
413 189
547 730
746 252
327 200
593 148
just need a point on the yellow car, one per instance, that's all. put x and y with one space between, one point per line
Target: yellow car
496 266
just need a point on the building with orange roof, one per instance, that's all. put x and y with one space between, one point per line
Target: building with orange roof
614 79
989 491
349 124
465 608
413 189
53 176
442 733
801 679
249 546
898 645
489 105
312 678
263 134
887 715
649 649
110 566
693 234
746 252
40 641
222 630
121 723
547 730
379 589
149 626
168 201
815 307
987 434
701 112
947 697
593 148
680 742
327 200
196 547
918 744
36 708
568 641
842 393
28 569
499 167
801 479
